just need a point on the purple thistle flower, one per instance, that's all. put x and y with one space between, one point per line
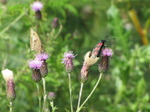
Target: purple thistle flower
104 63
42 56
107 52
37 6
35 64
68 61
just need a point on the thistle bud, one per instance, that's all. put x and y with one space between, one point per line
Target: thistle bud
55 23
35 66
51 96
43 57
88 62
68 61
104 63
9 78
11 90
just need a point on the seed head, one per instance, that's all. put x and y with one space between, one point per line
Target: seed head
7 74
89 60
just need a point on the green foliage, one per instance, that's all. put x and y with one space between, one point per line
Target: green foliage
124 88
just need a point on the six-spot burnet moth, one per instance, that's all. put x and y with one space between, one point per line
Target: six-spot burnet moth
97 50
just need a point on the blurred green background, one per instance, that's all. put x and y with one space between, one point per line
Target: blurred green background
124 88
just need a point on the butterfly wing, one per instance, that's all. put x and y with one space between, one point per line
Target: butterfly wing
35 42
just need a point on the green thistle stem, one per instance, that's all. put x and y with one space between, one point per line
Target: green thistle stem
45 96
70 92
38 89
10 106
52 105
100 76
80 94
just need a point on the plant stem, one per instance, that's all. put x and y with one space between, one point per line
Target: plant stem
100 76
10 106
52 105
80 94
38 89
45 96
70 92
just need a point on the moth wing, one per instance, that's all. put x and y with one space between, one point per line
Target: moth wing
35 42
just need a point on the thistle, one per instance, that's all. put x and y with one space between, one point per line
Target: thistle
37 6
104 63
35 66
68 61
88 62
9 78
43 57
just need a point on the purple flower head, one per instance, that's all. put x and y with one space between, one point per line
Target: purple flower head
35 64
37 6
107 52
42 56
68 61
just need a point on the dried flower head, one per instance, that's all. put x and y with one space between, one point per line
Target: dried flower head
104 63
89 60
68 61
35 64
7 74
37 6
42 56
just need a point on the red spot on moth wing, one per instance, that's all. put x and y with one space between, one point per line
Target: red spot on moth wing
100 44
97 48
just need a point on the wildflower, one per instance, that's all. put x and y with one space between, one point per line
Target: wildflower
9 78
88 62
43 57
51 96
55 23
37 6
35 65
106 54
68 61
